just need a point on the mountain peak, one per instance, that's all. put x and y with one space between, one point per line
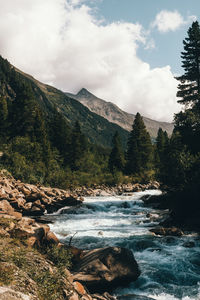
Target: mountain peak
84 92
114 114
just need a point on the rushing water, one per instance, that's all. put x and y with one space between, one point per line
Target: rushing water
170 270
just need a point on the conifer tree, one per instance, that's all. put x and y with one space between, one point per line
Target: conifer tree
189 87
78 146
3 117
187 122
161 153
139 148
184 146
60 134
116 158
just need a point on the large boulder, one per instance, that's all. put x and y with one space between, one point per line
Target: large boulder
104 269
6 208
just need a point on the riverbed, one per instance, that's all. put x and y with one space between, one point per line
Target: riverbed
170 267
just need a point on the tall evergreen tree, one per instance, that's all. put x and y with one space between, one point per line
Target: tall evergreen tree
60 135
3 118
78 146
116 158
189 87
161 153
139 148
187 123
184 149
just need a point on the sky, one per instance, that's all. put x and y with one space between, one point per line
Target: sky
123 51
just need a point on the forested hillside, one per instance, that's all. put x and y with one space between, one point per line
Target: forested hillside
97 129
36 141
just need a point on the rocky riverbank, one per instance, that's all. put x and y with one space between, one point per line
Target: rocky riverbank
32 200
104 190
35 200
30 264
33 262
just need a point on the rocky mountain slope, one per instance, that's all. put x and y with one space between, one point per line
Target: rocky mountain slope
98 129
114 114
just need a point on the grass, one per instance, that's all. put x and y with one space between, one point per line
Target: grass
29 271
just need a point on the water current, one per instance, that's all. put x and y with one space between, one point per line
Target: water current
170 268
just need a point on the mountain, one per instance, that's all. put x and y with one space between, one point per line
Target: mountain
114 114
98 129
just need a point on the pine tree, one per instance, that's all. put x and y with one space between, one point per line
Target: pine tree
60 135
187 123
116 158
161 153
3 118
189 87
139 148
179 162
184 145
78 146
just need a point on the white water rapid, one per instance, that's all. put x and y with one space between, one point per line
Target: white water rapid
170 269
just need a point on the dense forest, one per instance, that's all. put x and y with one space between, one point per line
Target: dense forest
42 147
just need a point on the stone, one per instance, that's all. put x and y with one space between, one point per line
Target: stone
32 241
104 269
3 232
79 288
104 193
36 211
46 200
37 203
6 208
68 276
74 297
52 238
28 206
171 231
25 191
86 297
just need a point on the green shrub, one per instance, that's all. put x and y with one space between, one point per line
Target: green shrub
60 256
50 285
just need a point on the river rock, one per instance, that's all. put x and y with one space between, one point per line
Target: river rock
32 233
173 231
6 208
104 269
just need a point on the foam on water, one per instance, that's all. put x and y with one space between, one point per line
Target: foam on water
170 271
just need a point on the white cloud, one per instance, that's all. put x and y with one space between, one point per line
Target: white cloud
63 44
170 21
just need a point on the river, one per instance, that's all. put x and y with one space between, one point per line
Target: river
170 270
